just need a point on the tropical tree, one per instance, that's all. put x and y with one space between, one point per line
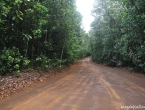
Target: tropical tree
118 31
42 34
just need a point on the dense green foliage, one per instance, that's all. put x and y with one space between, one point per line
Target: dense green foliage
42 33
119 33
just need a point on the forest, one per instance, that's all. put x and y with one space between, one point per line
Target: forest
40 34
118 33
47 34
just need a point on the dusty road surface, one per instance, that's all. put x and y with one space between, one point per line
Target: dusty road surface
85 86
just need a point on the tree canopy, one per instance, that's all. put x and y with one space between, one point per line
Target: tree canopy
42 33
119 33
47 34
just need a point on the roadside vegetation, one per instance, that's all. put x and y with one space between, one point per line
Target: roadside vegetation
118 33
47 34
40 34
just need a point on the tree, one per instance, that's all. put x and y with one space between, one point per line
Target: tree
118 31
44 33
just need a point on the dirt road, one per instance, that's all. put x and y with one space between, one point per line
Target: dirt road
85 86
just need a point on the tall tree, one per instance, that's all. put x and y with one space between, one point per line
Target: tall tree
42 33
118 31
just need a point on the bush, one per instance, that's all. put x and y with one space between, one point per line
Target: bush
10 60
42 62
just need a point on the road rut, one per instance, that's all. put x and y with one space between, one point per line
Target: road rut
85 86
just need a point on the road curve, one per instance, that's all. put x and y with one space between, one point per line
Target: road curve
86 86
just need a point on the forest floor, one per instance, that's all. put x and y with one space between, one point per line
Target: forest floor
83 86
11 85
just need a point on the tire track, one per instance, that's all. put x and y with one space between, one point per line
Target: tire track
52 88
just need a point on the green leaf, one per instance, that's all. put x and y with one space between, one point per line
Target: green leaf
124 1
14 18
